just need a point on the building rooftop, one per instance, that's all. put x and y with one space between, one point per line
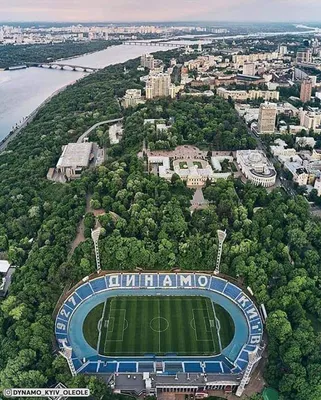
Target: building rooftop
4 266
75 155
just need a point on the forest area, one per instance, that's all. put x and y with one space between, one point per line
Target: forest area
272 245
13 55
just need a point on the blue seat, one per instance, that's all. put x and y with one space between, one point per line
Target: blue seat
91 367
232 291
173 367
98 284
218 284
213 367
193 367
250 348
127 367
226 368
77 363
84 291
107 367
244 355
237 370
145 367
242 364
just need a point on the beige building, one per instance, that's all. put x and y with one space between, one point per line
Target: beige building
304 56
159 85
310 120
242 58
267 118
249 69
132 98
306 90
147 61
243 95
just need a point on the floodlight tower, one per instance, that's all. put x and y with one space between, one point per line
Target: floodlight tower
95 237
221 237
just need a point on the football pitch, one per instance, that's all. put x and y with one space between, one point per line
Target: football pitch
133 325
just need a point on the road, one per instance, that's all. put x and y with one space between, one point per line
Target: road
110 121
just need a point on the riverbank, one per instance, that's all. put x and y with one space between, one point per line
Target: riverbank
23 91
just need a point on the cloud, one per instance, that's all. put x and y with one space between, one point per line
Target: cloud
165 10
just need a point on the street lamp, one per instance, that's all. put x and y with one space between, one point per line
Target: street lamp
221 237
95 237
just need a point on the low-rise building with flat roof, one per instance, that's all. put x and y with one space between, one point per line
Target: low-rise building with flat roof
74 159
5 276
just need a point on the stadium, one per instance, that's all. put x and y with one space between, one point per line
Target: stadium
150 332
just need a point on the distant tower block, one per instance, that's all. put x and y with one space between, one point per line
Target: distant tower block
95 237
199 47
221 237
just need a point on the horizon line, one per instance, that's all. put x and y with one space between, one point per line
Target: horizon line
162 21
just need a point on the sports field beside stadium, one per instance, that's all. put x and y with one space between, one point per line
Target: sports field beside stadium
133 325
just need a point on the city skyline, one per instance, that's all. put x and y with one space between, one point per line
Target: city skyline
167 10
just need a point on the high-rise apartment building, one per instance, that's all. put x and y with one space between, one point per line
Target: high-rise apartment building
283 50
304 56
159 85
306 90
147 61
267 118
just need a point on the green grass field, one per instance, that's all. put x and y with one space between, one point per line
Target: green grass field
158 324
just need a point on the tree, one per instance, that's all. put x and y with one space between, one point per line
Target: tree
278 326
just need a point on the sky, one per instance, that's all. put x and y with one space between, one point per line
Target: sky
160 10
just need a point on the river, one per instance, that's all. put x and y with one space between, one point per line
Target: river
22 91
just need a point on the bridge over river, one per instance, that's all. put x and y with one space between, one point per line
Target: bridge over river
159 44
64 66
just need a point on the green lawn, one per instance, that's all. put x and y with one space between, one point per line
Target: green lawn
227 327
90 327
157 324
183 165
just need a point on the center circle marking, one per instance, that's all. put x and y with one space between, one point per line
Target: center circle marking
159 324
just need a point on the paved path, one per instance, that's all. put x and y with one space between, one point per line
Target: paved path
110 121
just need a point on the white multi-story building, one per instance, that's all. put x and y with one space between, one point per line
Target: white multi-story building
281 149
256 167
195 172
